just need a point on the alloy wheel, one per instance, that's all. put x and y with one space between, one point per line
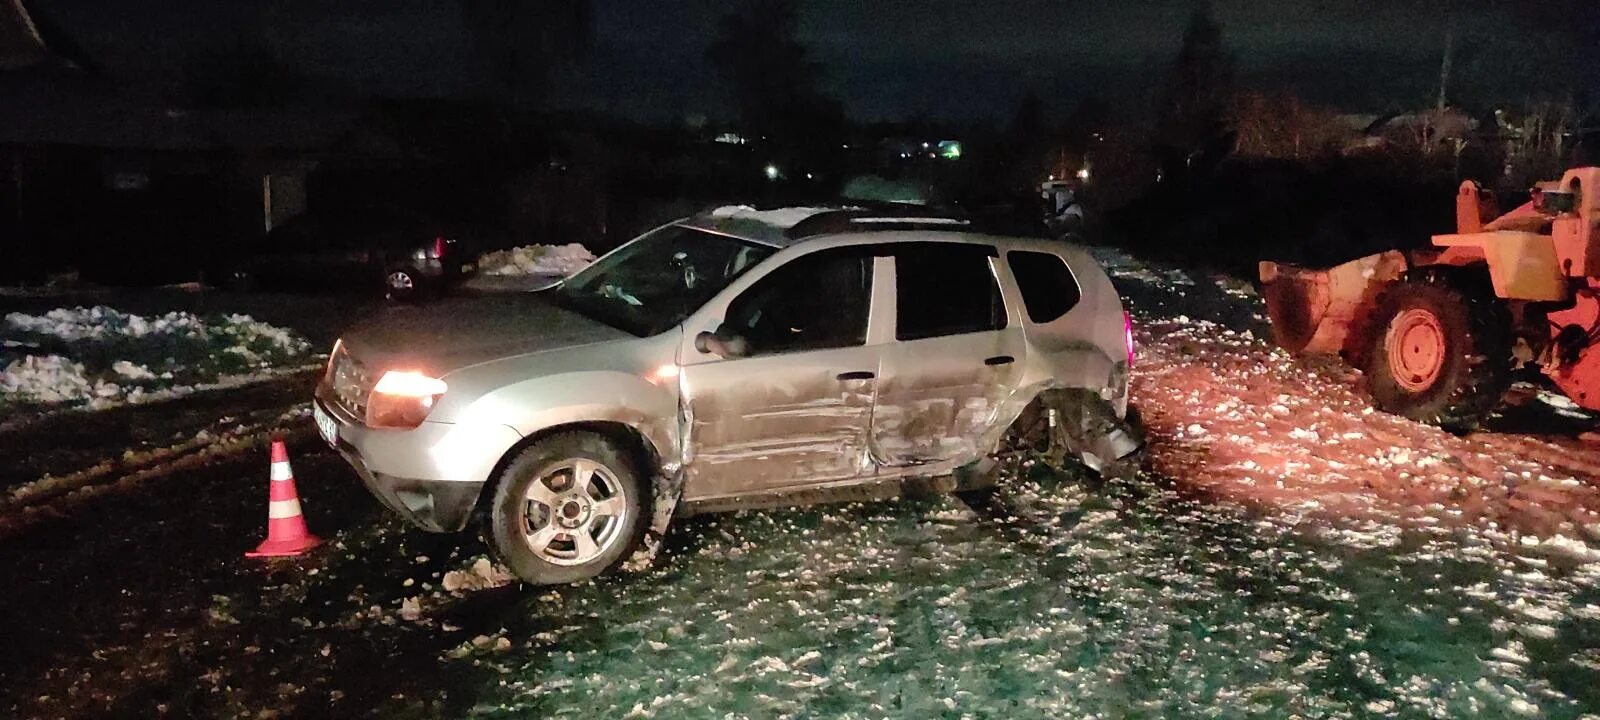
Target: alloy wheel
574 512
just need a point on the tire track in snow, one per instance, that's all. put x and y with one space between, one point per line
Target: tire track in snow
51 497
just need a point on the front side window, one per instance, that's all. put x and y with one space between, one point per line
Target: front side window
945 289
813 302
653 283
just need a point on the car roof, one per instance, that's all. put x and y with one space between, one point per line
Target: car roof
786 226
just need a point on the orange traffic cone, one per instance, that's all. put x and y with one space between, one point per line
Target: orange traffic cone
286 527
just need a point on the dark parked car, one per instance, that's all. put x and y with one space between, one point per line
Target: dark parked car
405 257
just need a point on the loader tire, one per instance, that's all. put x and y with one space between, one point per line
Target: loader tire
1438 355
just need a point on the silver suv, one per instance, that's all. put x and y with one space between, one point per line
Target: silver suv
739 358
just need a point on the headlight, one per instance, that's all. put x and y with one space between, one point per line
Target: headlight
402 399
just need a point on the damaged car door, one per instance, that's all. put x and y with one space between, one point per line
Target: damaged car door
956 358
781 393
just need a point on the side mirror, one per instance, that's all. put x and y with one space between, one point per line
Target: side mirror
719 343
703 341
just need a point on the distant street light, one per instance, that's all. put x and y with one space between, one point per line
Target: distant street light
772 171
1083 174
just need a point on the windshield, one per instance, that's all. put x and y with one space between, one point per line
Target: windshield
653 283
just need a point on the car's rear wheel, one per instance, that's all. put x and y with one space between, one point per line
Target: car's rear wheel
402 284
568 508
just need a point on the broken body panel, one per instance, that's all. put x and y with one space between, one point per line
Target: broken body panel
928 407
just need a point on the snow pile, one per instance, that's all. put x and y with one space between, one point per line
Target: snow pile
548 260
101 356
74 324
50 379
777 217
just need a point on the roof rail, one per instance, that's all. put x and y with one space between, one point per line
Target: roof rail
877 217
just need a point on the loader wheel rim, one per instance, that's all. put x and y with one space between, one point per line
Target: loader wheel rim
1416 349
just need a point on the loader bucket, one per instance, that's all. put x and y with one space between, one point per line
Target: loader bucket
1322 311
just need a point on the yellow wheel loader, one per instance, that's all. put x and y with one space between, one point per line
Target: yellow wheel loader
1437 331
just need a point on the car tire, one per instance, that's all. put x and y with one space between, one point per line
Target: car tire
542 509
1438 355
403 284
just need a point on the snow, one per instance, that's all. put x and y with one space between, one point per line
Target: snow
1234 416
50 379
1293 554
536 260
919 220
99 357
782 218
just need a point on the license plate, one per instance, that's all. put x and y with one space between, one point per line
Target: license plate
326 426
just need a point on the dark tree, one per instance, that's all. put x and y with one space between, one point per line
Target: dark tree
1087 124
521 43
1199 86
1028 143
775 88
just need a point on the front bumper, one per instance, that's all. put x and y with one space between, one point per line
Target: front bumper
432 505
431 475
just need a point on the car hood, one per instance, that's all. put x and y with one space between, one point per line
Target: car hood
454 333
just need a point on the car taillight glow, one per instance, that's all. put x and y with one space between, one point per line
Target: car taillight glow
439 247
1127 335
402 399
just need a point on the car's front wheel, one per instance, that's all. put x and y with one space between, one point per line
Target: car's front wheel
568 508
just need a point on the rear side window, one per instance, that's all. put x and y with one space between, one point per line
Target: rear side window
945 289
1048 288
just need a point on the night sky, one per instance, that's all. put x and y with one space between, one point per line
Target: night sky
941 59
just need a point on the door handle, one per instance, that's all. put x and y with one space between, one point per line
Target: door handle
999 360
857 375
